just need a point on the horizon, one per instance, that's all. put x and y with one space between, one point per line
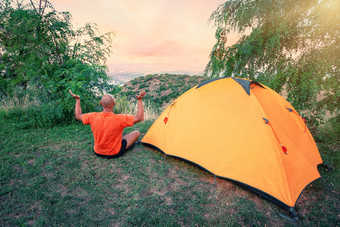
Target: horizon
155 36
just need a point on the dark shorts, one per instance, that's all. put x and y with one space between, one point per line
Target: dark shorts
120 153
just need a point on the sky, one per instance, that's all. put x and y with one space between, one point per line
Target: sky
151 36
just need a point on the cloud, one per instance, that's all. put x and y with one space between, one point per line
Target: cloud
155 35
167 48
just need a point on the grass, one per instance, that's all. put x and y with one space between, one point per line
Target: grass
49 176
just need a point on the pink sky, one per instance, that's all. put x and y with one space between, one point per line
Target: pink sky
152 36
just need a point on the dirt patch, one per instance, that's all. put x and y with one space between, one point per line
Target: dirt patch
48 175
62 190
178 183
121 184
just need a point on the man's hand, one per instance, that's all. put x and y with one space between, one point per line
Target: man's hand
77 108
140 109
141 95
74 96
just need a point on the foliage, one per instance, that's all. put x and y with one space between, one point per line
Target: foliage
123 105
162 89
328 142
41 53
285 44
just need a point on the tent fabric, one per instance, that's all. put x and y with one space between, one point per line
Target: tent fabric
236 129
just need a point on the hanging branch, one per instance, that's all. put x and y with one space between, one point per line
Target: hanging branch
19 4
35 9
58 50
43 10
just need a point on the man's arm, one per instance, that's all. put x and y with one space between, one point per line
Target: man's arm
140 109
77 109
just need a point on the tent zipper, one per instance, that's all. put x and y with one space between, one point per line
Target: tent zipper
303 119
284 149
167 116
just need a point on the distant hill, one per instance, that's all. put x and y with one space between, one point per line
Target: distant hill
122 78
161 89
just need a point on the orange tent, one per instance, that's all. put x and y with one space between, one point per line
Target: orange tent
243 131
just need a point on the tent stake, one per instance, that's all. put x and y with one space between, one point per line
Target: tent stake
215 180
327 167
294 219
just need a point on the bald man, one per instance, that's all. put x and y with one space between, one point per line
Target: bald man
107 127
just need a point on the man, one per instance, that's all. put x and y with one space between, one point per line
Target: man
107 127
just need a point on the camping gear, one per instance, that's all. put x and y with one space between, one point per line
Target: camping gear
242 131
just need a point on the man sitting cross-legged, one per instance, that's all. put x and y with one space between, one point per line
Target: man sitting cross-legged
107 127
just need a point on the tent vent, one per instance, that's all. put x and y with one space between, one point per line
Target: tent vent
246 84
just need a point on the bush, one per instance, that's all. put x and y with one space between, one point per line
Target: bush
143 86
123 105
45 63
327 138
36 116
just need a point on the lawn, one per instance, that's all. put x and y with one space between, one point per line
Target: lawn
49 176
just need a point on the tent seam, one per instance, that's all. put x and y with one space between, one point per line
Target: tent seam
278 145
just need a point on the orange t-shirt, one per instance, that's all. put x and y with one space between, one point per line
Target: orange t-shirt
107 129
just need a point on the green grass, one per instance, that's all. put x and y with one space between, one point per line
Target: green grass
49 176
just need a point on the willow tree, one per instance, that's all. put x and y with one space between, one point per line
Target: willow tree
285 44
40 51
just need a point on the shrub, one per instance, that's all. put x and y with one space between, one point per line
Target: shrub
143 86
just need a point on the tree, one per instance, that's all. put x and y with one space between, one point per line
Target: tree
285 44
41 52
